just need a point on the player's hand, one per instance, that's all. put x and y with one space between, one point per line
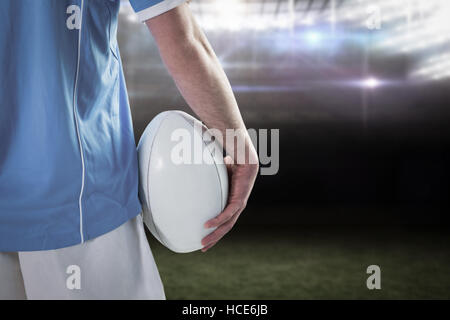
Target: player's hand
242 178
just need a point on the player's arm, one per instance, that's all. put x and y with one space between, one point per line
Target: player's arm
201 80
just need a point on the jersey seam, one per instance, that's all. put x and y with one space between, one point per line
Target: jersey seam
75 110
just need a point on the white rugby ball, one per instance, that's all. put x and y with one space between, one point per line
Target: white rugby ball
178 198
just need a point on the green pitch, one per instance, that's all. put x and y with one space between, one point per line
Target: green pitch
323 263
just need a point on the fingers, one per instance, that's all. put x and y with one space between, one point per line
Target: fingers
220 231
209 246
242 179
225 216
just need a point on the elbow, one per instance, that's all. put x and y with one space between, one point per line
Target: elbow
203 44
194 40
188 47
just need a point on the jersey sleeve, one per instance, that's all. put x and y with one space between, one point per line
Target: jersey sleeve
147 9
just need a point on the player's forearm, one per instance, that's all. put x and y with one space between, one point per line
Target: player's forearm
198 74
203 83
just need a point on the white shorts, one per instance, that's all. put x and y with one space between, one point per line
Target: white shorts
117 265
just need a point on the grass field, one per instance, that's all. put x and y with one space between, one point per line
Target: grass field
311 263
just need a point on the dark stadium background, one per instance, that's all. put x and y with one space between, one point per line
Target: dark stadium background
364 169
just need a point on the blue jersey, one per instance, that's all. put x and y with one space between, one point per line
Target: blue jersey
68 164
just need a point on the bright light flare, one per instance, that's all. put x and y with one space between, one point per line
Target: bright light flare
313 37
371 83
